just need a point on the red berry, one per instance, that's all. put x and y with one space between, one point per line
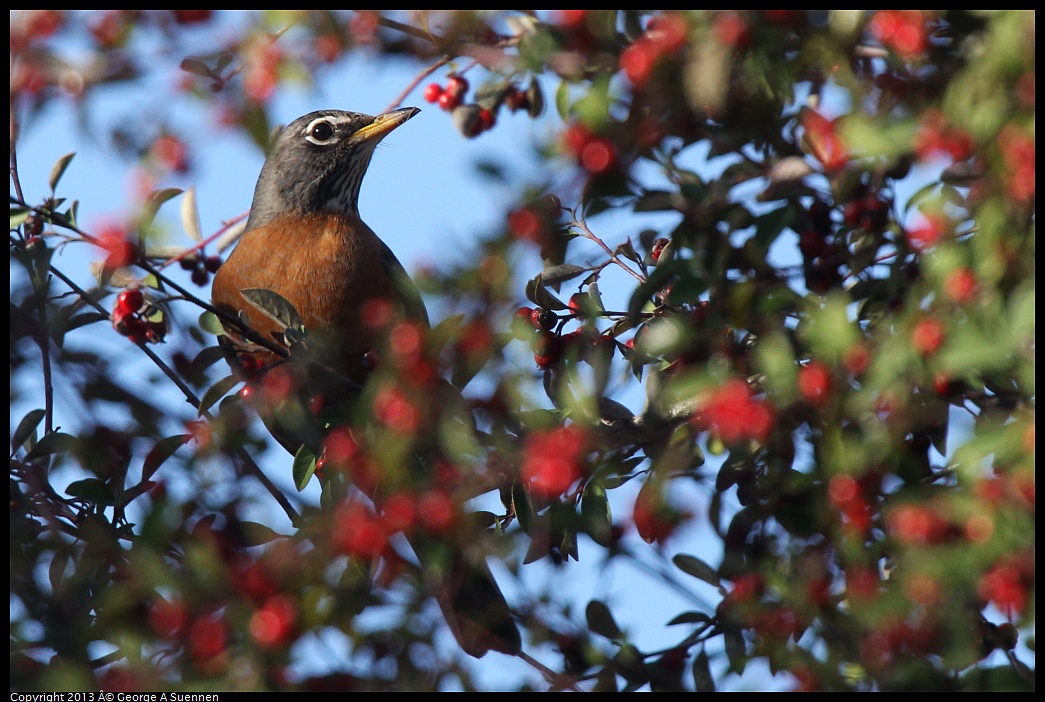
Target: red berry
433 92
875 215
448 100
814 382
638 59
571 19
928 336
547 350
247 367
852 213
515 99
129 325
457 85
130 300
530 224
207 638
812 244
576 304
486 119
944 386
155 331
658 248
598 156
543 319
856 359
960 285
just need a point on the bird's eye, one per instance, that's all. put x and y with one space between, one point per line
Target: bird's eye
320 132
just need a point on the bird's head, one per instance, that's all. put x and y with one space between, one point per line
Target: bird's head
317 163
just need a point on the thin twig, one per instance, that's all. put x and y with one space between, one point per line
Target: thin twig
417 81
558 681
588 234
245 460
203 244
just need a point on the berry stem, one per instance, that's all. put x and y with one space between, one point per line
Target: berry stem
587 233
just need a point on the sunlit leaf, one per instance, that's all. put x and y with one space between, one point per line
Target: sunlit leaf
58 170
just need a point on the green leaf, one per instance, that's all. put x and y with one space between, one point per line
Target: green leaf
691 565
195 66
304 468
828 330
19 215
274 306
26 428
56 569
155 202
210 323
601 621
522 506
595 508
656 201
703 680
58 170
775 357
535 99
690 618
55 442
561 273
91 489
205 359
161 451
769 225
562 100
217 391
736 649
539 295
658 279
255 534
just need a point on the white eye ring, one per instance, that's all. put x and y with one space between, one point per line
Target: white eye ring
320 132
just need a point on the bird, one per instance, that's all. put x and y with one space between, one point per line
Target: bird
304 240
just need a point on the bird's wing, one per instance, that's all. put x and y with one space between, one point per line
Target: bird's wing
406 291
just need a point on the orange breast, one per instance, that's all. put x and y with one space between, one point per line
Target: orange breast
327 266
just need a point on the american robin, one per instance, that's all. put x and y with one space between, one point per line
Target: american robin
305 241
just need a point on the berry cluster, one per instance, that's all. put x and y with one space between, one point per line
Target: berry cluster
472 119
130 318
202 267
538 325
